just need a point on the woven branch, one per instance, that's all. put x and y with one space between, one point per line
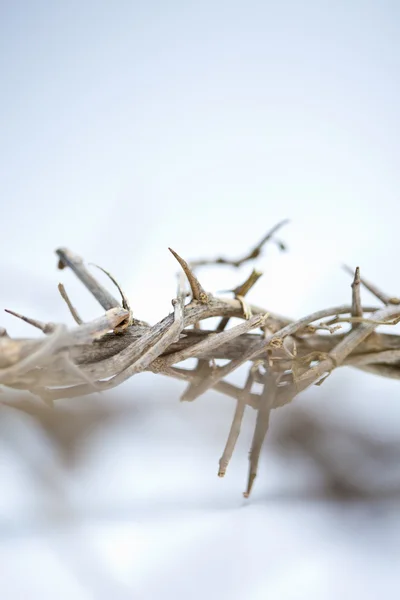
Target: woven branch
285 357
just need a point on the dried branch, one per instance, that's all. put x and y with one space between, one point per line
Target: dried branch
56 340
253 254
103 353
210 343
234 431
266 404
75 263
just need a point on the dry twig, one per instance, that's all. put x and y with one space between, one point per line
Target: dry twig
103 353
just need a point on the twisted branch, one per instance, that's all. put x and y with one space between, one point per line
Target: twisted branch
285 356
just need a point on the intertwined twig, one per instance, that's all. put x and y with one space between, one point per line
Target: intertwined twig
285 357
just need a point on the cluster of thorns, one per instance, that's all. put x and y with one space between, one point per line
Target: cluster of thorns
284 357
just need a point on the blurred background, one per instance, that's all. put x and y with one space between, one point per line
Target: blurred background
128 127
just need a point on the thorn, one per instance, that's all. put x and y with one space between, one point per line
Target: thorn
198 292
373 289
356 307
68 302
357 278
246 286
45 327
125 302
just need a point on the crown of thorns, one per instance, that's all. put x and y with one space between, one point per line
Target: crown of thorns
285 357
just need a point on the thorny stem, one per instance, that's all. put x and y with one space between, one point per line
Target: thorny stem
75 263
211 342
272 341
105 352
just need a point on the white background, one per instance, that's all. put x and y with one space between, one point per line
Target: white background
128 127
